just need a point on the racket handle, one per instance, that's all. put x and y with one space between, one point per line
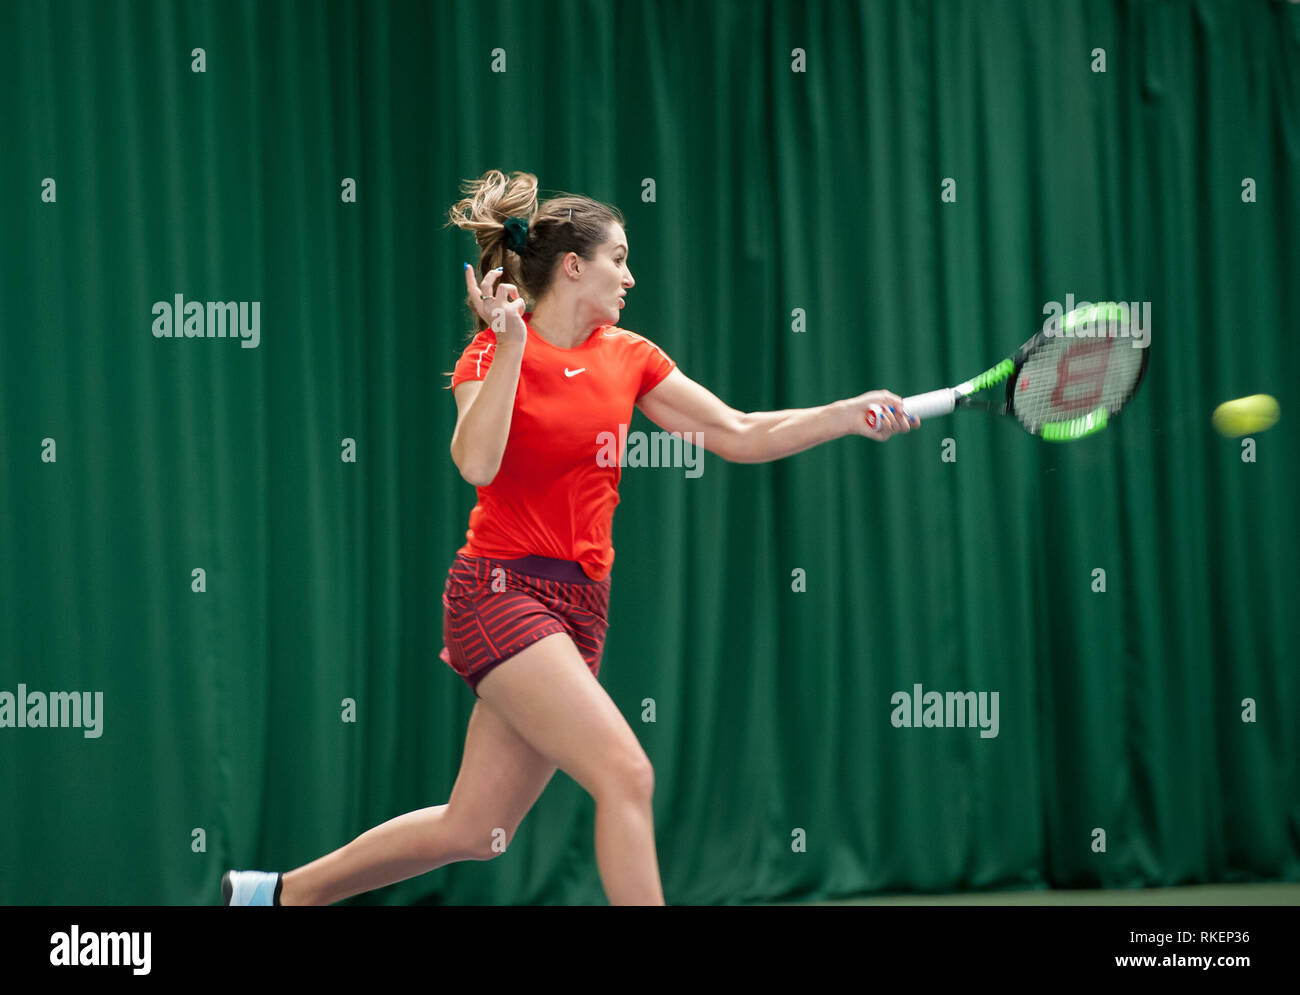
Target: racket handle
928 405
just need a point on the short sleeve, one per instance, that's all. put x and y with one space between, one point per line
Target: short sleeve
658 364
475 361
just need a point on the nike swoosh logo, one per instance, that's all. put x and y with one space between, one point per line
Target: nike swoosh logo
572 373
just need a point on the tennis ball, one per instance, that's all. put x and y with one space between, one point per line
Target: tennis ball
1246 415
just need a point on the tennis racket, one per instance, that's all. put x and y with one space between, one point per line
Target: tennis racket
1065 383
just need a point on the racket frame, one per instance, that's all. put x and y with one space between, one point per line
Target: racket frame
947 399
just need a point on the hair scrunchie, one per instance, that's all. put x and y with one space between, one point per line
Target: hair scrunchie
516 234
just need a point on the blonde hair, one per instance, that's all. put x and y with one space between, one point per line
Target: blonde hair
562 224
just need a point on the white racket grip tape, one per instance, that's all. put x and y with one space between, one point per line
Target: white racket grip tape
928 405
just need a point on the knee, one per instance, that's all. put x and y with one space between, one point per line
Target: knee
630 779
473 840
486 844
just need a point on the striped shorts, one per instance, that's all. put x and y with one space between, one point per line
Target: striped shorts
492 609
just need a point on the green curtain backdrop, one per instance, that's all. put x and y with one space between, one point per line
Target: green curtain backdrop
767 612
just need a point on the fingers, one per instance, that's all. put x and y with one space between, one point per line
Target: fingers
886 425
896 417
895 420
488 309
893 416
475 293
477 289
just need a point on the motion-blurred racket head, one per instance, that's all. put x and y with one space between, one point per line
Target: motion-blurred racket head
1078 373
1067 382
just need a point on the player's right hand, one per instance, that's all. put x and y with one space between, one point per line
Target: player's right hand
893 418
503 309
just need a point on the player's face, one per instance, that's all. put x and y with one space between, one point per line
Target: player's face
611 278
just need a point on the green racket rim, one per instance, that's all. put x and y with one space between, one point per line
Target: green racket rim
991 376
1106 310
1075 428
996 375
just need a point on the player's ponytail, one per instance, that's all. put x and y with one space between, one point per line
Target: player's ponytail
490 201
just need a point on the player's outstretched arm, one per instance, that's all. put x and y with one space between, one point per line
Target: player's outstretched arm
679 404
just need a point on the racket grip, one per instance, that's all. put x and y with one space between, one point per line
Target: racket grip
928 405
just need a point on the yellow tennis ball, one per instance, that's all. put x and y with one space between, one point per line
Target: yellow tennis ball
1246 415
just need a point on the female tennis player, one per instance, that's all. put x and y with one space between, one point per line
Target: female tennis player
526 598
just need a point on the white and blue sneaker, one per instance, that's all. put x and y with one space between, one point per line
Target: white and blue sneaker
250 888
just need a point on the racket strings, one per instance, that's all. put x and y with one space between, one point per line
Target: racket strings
1075 379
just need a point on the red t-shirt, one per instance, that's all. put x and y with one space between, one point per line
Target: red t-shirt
551 497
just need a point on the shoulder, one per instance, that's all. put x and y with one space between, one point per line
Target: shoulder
475 358
483 339
626 339
480 347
